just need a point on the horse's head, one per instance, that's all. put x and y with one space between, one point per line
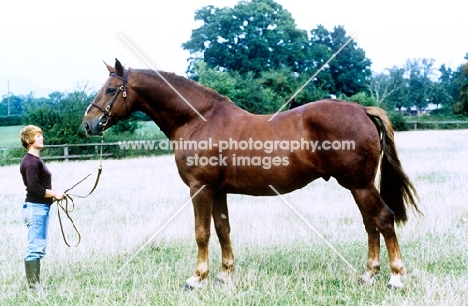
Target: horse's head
111 103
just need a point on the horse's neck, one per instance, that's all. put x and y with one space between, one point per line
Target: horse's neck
174 103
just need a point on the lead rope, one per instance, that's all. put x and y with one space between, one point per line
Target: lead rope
63 204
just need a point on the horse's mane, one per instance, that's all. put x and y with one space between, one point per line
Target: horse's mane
186 81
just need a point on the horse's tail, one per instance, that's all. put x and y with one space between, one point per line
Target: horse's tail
396 189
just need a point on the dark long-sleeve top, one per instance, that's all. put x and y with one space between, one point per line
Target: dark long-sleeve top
37 178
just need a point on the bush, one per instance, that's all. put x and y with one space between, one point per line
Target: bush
360 98
124 127
398 121
11 120
61 120
444 111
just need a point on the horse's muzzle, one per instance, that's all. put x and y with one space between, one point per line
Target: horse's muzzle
92 127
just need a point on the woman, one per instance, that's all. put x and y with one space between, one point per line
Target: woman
39 197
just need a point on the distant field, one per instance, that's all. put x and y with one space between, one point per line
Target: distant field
10 135
148 130
279 260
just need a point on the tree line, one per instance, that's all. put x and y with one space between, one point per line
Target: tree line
254 54
60 115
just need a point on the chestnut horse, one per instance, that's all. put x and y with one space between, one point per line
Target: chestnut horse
272 160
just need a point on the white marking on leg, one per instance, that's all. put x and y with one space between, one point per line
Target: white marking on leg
395 281
368 278
194 282
224 277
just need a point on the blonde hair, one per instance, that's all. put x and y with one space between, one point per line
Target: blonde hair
28 133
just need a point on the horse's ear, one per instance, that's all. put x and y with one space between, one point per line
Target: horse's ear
110 68
119 68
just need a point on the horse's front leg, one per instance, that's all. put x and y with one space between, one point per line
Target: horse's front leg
223 229
202 206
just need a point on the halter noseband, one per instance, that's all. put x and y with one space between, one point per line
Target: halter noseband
104 119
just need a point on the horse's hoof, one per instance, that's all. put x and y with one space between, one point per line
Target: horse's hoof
222 278
188 287
218 282
365 280
393 287
192 283
395 282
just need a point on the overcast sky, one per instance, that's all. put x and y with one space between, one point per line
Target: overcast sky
53 45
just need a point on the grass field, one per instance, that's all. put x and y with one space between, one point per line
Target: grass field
10 135
279 259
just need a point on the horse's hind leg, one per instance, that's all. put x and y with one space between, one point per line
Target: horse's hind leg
373 255
223 229
378 215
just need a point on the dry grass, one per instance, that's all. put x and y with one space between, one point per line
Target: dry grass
279 260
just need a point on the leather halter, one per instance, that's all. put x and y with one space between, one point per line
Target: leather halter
104 119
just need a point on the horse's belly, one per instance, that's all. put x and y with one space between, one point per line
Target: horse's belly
258 182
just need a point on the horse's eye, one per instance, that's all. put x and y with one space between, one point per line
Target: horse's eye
111 91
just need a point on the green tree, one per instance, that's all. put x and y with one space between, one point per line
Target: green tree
258 41
244 90
55 97
223 82
60 116
253 36
449 80
398 99
463 98
349 71
361 98
420 84
12 105
388 88
440 96
261 95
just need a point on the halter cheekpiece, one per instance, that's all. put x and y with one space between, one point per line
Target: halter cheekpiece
104 119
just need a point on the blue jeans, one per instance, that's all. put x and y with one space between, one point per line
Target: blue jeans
36 218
